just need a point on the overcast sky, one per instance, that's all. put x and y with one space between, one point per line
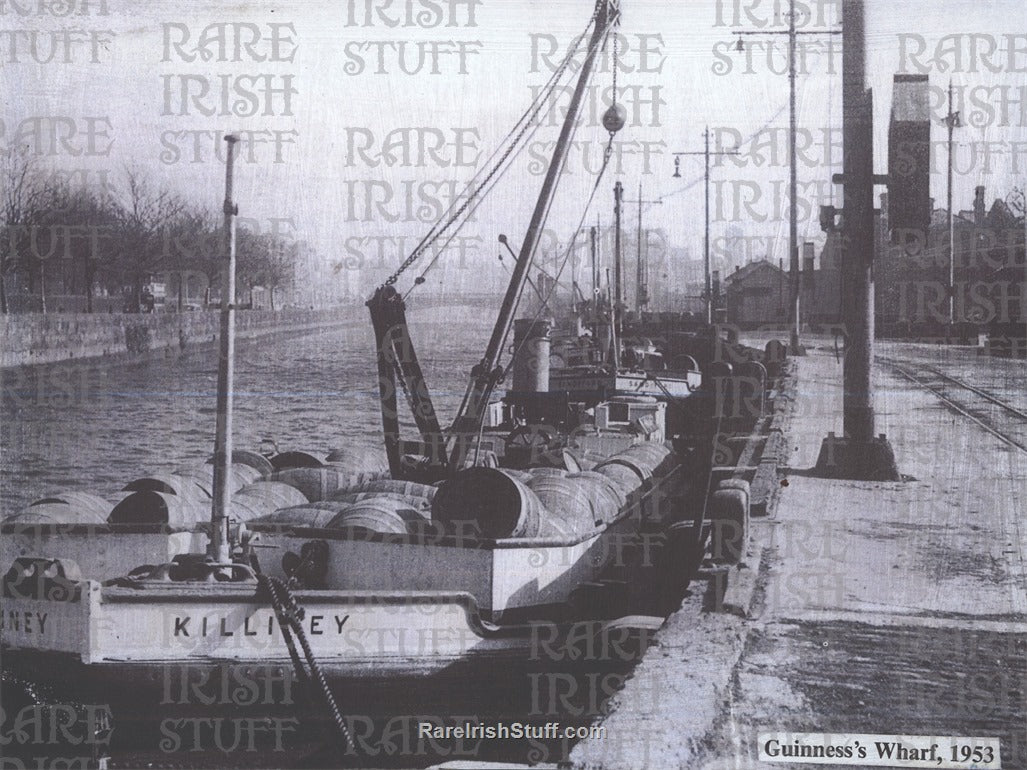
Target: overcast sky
137 82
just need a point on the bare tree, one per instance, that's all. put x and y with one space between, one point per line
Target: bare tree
146 216
21 189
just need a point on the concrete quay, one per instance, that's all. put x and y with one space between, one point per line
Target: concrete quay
877 607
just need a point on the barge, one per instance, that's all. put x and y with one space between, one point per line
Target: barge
579 504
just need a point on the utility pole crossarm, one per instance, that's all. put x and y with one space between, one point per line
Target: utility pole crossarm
793 227
706 153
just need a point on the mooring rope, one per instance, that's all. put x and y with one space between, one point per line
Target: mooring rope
289 612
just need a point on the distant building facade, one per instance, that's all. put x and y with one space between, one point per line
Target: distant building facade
756 294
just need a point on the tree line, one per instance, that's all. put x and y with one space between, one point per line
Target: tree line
111 237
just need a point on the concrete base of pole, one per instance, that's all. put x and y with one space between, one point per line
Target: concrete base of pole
796 348
846 458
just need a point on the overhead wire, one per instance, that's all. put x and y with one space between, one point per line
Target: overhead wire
477 195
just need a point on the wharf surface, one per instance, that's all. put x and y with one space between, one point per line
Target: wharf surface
895 608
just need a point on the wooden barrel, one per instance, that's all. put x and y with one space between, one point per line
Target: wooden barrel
253 460
202 475
169 483
317 483
487 502
641 466
547 472
658 459
359 459
295 459
306 515
417 503
569 500
626 479
65 507
609 499
564 460
520 475
395 486
239 475
181 513
379 514
263 497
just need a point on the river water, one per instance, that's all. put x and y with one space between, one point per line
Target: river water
95 427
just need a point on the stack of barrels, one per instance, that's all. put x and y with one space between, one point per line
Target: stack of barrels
548 502
352 490
182 499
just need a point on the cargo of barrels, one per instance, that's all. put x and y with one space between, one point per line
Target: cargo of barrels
573 502
381 514
417 503
263 497
148 506
395 486
65 507
488 503
322 483
315 515
607 496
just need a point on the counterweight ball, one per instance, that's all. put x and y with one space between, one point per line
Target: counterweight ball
615 118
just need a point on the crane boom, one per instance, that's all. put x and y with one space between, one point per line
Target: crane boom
487 372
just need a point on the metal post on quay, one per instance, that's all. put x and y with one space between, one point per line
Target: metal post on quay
859 454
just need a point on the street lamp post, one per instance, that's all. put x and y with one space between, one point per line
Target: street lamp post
707 276
952 121
642 269
794 315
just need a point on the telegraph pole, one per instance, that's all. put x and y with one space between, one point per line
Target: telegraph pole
794 315
952 121
642 272
707 276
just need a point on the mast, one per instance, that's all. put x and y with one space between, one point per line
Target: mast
618 196
595 274
486 372
707 278
640 281
613 326
220 551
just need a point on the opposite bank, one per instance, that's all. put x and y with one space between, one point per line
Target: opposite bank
28 339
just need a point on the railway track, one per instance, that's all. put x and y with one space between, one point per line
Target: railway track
1001 419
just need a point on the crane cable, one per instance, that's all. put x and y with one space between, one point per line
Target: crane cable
508 155
607 154
521 127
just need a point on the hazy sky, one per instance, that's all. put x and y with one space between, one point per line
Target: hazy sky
486 72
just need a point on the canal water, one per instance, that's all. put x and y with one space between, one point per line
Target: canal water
95 427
